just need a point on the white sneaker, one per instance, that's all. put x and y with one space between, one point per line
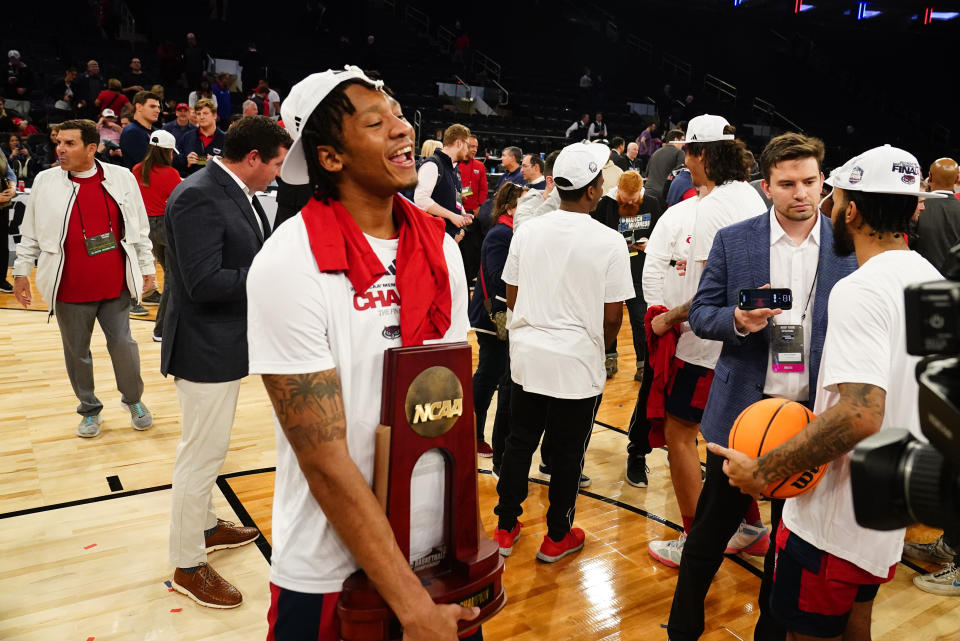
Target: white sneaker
668 552
945 582
750 539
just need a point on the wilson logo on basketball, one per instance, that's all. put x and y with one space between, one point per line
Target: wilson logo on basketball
805 478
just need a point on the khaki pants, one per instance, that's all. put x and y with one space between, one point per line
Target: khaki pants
207 411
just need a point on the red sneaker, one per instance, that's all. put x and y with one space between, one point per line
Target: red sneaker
506 539
484 450
551 550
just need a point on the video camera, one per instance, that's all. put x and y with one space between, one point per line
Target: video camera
897 480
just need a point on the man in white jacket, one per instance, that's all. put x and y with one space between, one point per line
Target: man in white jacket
86 229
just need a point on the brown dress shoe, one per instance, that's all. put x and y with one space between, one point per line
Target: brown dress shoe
207 588
230 535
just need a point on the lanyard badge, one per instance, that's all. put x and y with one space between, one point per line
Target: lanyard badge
787 346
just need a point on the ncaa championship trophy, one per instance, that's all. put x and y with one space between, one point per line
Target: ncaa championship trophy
428 404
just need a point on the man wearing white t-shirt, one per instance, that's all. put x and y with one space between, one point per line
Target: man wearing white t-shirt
567 277
718 163
829 568
324 302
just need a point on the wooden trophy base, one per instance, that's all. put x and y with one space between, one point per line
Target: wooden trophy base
365 616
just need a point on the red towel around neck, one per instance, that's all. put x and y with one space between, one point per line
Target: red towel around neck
423 282
506 219
661 352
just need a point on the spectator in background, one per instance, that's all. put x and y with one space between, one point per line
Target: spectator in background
182 124
439 192
681 187
20 161
628 209
204 91
134 80
198 145
89 85
6 120
938 226
157 180
532 171
598 129
611 175
663 162
510 159
108 127
136 136
251 61
617 146
194 61
578 131
23 127
249 108
19 84
50 148
8 191
473 180
261 98
273 98
65 95
112 97
647 146
487 312
221 91
110 152
83 272
633 150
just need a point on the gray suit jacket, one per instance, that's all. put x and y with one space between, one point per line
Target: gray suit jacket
212 237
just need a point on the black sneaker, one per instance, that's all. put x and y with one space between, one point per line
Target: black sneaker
138 310
545 473
637 471
5 286
495 471
157 338
153 298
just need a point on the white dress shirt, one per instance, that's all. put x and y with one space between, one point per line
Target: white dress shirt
243 187
793 267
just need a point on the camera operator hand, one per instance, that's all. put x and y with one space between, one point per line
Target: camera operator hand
740 469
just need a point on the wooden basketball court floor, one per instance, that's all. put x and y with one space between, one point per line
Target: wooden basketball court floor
84 523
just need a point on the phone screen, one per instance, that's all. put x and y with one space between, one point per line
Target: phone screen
766 298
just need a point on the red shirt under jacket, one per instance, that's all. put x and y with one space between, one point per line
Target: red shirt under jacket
91 278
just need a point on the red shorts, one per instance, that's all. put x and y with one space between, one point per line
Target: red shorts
814 591
687 390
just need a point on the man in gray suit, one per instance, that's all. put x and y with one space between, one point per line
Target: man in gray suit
215 226
791 246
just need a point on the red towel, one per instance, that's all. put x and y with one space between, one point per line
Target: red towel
423 282
661 350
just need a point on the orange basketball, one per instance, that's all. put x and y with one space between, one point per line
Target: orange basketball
764 426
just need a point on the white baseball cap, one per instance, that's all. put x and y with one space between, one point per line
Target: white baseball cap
706 128
882 170
578 164
164 139
300 103
108 112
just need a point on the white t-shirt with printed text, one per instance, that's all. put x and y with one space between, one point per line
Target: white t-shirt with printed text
302 321
866 342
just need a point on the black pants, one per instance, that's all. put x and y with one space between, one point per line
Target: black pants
158 236
719 512
639 432
569 422
501 422
636 310
492 362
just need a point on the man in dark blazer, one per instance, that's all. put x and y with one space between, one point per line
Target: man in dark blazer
792 244
215 227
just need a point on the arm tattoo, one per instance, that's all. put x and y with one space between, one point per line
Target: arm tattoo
858 414
308 406
679 313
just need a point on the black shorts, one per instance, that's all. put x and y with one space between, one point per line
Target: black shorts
814 591
687 391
